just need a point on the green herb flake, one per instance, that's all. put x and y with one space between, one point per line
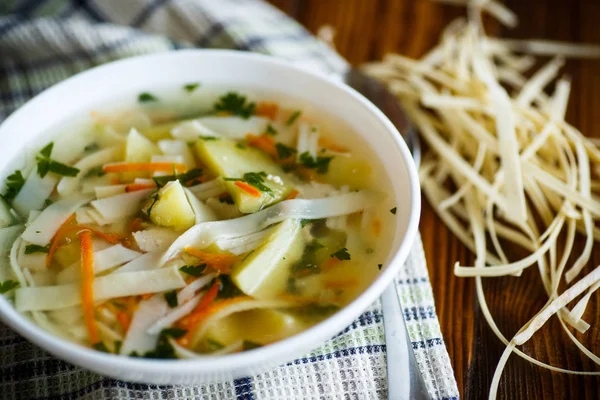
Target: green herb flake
91 147
247 255
304 222
255 179
154 198
171 298
45 164
118 344
190 87
320 164
34 248
208 138
96 171
175 333
393 210
14 183
146 97
228 288
163 349
284 151
193 270
184 178
250 345
379 266
293 117
236 104
240 146
48 202
270 130
214 345
341 254
100 346
8 285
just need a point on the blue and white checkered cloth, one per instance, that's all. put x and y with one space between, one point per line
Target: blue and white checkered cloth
43 42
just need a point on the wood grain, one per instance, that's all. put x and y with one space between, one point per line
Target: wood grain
367 30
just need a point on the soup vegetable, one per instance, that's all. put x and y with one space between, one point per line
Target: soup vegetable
166 234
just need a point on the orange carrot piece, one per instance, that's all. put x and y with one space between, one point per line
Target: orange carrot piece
146 296
264 143
87 284
267 109
115 181
124 320
136 225
55 241
251 190
221 262
205 301
134 187
293 195
377 227
144 167
330 263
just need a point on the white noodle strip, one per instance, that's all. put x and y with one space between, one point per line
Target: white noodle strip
170 158
577 311
204 234
227 244
82 216
202 212
155 239
190 290
14 263
447 101
189 131
105 287
178 147
538 82
507 141
121 206
313 142
548 47
174 315
109 334
560 99
303 137
465 187
137 338
233 127
109 191
186 354
103 260
43 228
550 309
144 181
145 262
34 192
67 185
208 189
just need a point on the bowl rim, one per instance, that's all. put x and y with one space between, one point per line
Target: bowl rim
280 350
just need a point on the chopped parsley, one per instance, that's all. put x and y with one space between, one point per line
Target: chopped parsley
45 164
213 345
249 345
146 97
118 345
190 87
91 147
48 202
318 310
393 210
379 266
255 179
236 104
321 164
100 346
341 254
228 288
184 178
154 198
171 298
304 222
8 285
14 183
308 262
193 270
240 146
284 151
175 333
34 248
270 130
293 117
96 171
226 198
208 138
163 348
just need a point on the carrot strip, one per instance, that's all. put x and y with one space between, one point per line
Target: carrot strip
55 242
87 284
267 109
330 263
146 296
251 190
293 195
134 187
376 227
144 167
115 181
124 320
221 262
264 143
205 301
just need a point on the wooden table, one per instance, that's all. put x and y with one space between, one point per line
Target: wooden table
368 29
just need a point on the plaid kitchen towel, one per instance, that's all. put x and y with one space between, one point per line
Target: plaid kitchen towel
43 42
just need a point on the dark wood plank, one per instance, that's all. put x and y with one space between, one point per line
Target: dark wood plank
367 30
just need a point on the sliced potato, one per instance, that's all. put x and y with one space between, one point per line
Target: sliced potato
225 158
172 208
265 272
139 148
348 170
160 132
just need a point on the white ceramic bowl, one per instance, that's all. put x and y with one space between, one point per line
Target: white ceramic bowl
99 85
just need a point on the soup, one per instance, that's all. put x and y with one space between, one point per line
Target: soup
193 222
